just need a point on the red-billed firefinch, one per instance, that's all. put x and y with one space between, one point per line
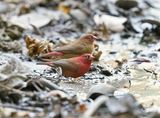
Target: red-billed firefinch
83 45
72 67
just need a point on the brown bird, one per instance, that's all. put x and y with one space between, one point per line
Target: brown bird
72 67
76 48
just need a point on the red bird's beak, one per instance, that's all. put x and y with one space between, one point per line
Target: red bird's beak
92 57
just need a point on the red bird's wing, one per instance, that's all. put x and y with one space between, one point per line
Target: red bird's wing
67 65
73 67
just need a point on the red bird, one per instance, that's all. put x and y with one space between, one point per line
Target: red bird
72 67
83 45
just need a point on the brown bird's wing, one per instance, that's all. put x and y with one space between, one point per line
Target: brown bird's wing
72 48
66 64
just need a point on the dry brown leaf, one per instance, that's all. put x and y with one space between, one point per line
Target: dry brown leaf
64 8
82 108
36 47
96 52
24 9
97 55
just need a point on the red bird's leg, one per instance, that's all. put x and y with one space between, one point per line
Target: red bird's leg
51 55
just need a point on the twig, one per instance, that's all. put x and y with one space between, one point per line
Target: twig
16 90
50 85
21 108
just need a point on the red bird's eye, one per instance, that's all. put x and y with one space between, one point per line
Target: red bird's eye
87 57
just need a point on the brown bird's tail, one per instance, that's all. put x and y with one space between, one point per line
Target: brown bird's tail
51 55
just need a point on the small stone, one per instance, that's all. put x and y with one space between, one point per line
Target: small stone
100 89
126 4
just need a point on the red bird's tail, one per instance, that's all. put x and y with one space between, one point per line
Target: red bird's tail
46 63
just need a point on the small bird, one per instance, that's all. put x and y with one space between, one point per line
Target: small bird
83 45
72 67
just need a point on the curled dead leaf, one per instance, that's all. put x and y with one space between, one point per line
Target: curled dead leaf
36 47
96 52
65 8
97 55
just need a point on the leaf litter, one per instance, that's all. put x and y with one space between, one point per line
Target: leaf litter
123 82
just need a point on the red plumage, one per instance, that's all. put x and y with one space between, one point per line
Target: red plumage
72 67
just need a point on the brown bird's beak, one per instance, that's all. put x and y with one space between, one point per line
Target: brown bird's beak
97 38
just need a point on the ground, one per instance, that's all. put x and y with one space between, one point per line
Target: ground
122 82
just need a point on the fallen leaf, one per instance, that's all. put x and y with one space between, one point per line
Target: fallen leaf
82 108
64 8
36 47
